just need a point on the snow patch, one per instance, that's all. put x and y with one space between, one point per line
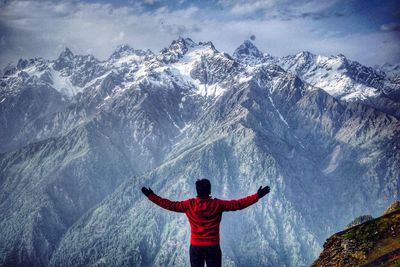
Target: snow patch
33 71
64 85
333 162
127 60
329 74
244 79
213 90
186 64
362 93
172 120
185 127
92 82
280 115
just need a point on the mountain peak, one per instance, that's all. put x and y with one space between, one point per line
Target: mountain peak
122 50
247 49
66 54
65 59
176 50
184 41
181 45
305 55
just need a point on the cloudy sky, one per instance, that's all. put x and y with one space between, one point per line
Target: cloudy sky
364 30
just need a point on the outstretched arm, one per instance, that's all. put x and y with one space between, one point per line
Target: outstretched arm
238 204
177 206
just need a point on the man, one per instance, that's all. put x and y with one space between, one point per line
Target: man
204 214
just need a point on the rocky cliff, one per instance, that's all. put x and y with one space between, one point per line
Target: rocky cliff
372 243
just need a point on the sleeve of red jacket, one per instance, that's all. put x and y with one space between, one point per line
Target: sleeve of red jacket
177 206
238 204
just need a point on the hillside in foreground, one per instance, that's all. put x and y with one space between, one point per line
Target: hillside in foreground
372 243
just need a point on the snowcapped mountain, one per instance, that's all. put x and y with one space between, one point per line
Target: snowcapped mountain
79 137
247 50
342 78
346 80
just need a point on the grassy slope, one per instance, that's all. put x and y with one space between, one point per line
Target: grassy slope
373 243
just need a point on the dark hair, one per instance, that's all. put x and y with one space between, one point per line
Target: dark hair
203 187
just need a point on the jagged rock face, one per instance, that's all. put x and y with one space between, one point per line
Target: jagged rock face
31 100
247 49
79 69
165 120
46 186
176 50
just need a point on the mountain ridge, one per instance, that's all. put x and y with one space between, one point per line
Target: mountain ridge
190 111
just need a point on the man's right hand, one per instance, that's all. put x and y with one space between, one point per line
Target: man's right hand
146 191
263 191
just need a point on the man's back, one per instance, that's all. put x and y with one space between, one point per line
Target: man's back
204 214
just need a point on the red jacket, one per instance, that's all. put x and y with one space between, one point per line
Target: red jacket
204 214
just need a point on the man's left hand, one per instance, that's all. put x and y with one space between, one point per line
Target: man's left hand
146 191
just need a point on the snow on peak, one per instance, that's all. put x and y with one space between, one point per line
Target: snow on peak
336 75
181 45
122 50
126 50
176 50
66 54
305 54
247 49
249 54
29 63
64 60
190 67
185 41
63 84
126 56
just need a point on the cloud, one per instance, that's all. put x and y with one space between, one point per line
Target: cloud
310 6
44 28
150 2
119 38
33 28
284 37
394 26
283 9
250 7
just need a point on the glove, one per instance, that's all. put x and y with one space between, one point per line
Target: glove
263 191
146 191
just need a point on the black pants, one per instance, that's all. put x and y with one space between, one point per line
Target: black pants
205 254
